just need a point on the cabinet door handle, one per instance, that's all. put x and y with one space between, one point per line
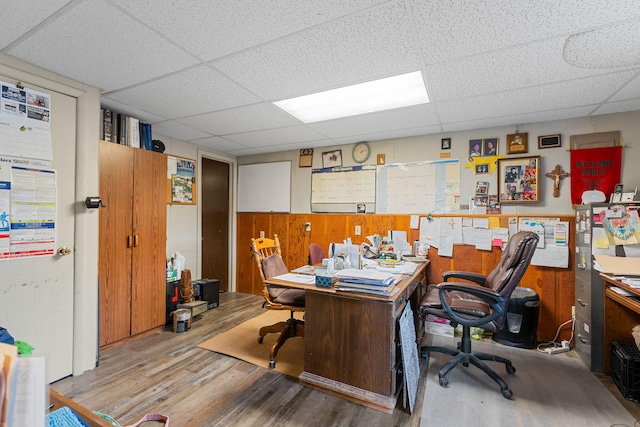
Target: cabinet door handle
582 303
582 339
129 241
135 241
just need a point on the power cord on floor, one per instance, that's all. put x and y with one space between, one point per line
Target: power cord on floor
546 347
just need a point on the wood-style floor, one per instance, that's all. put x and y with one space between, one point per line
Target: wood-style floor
166 372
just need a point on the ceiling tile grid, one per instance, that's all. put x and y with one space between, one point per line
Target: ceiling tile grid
373 44
99 45
186 93
206 72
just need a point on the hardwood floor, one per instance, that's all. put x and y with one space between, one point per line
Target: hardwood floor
165 372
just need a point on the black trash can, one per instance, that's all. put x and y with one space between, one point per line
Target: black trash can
522 320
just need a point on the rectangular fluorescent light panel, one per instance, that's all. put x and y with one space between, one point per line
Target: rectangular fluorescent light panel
378 95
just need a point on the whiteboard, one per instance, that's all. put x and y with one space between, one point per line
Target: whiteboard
344 189
422 187
264 187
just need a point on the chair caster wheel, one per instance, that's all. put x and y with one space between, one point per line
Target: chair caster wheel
508 394
510 369
443 382
272 364
260 340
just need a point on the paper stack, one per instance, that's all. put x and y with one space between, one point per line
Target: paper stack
367 281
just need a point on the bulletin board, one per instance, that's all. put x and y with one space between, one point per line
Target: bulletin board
181 181
344 189
264 187
421 187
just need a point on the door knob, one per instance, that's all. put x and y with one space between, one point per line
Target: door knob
64 250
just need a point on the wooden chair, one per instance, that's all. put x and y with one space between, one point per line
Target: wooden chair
268 258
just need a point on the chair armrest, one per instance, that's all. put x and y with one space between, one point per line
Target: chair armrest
492 298
467 275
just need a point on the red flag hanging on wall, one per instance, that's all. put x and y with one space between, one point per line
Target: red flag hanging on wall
594 169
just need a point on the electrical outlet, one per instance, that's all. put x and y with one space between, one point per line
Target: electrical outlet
358 230
307 226
262 234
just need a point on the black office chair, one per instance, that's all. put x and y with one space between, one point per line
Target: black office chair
483 305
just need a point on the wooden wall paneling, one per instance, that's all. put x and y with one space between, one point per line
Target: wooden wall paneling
554 286
245 268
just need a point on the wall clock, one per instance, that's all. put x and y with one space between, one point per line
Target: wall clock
361 152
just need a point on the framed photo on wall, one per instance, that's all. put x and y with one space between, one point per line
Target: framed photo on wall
445 144
519 180
332 159
517 143
549 141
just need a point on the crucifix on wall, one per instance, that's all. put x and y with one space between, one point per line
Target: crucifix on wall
557 174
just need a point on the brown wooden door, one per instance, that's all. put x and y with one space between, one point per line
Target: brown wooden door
114 263
149 240
215 221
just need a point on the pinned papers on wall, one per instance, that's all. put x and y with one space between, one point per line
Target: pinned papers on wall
551 256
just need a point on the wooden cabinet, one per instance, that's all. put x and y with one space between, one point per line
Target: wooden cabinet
132 241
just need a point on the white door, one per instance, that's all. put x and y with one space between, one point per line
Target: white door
36 294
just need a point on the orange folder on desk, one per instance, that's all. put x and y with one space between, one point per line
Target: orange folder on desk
618 265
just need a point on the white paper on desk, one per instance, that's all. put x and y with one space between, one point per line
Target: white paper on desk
621 291
400 242
297 278
484 237
551 256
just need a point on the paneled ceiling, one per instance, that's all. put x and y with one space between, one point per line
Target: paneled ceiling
208 71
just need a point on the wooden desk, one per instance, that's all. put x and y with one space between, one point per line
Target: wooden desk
59 400
621 314
352 342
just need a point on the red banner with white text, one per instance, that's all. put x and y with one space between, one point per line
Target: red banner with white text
595 169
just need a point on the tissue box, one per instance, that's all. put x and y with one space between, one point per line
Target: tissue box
323 279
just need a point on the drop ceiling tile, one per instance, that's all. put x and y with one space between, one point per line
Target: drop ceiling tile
400 133
561 95
194 91
518 119
296 146
118 107
24 16
244 152
518 67
604 48
99 45
217 143
629 91
243 119
212 30
401 118
618 107
177 131
263 138
450 29
343 52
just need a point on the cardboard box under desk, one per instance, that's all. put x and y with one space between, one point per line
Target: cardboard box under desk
438 326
